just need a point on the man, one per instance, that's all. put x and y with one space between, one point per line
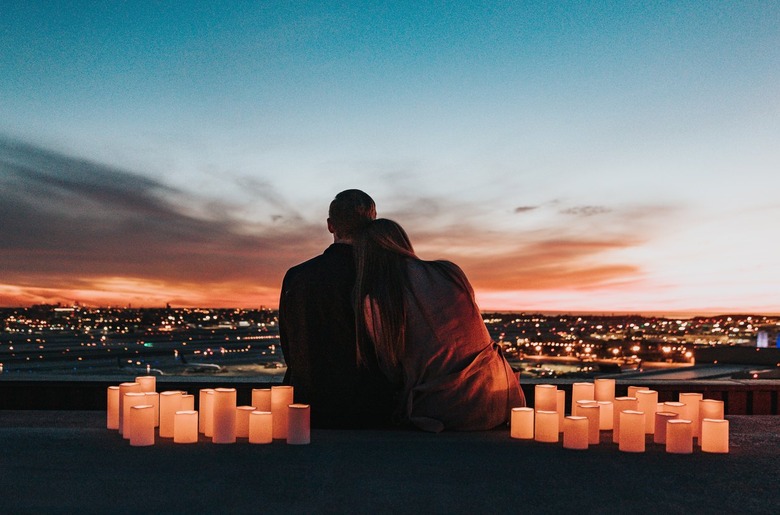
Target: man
317 329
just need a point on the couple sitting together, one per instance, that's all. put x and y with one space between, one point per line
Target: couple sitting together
374 336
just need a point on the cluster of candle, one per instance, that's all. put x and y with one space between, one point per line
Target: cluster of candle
595 408
140 413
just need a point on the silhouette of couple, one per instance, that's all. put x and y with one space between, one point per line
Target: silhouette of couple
374 336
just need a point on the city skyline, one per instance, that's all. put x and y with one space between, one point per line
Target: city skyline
606 157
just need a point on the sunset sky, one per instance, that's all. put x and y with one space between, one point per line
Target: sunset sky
569 156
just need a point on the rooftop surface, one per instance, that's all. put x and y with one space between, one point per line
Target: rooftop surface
68 462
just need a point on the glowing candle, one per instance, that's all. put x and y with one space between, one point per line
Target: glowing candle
141 424
185 426
112 407
131 399
708 408
170 403
675 407
148 383
647 402
606 415
561 408
679 436
298 425
242 421
661 418
575 432
125 388
633 389
714 435
546 426
575 408
261 427
545 397
620 404
224 415
153 398
632 431
582 392
604 389
261 399
691 401
521 425
281 398
206 412
187 402
592 413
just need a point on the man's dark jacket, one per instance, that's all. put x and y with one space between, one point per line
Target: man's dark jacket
317 331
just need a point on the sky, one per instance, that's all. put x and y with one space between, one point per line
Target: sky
570 156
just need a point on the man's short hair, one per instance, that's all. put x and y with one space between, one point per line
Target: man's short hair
349 211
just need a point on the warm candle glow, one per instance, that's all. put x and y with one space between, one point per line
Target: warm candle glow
298 424
709 408
679 436
170 403
582 392
633 389
546 426
242 421
592 412
632 431
125 388
261 428
620 404
112 407
206 412
187 402
131 399
675 407
604 389
575 408
575 432
714 435
261 399
647 402
545 397
521 425
661 418
560 407
185 426
224 413
148 383
691 401
140 427
606 415
153 398
281 398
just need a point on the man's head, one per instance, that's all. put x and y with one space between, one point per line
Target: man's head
349 211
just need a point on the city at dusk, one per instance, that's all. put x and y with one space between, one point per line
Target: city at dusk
570 157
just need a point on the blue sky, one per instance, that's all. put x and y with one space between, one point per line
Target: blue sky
581 156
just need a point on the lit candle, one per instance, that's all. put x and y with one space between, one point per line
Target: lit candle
679 436
714 435
125 388
575 409
298 424
545 397
224 415
620 404
261 399
632 431
187 402
582 392
148 383
170 403
242 421
575 432
592 413
633 389
521 425
112 407
560 407
675 407
691 401
708 408
606 415
261 427
546 426
185 426
647 402
141 424
131 399
281 398
661 418
153 398
206 412
604 389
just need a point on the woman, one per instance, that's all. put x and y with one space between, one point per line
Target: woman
421 323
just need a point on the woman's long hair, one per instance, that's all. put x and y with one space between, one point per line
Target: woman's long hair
381 250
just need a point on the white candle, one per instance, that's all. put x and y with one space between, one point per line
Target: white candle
605 415
546 426
708 408
125 388
582 392
281 398
521 425
661 418
298 424
633 389
575 432
592 413
206 412
675 407
141 424
715 435
679 436
153 398
261 399
185 426
632 431
187 402
560 407
647 402
242 421
224 415
545 397
604 389
691 401
575 409
112 407
131 399
261 427
148 383
170 403
620 404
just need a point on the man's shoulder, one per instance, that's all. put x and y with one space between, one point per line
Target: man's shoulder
335 256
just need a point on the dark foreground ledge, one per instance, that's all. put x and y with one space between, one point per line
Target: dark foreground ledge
67 462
